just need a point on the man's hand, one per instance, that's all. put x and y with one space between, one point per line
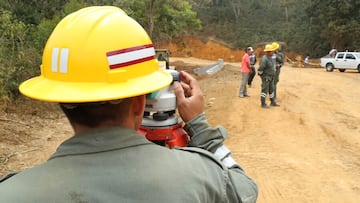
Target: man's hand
189 97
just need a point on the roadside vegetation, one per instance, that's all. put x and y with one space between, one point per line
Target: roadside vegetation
310 27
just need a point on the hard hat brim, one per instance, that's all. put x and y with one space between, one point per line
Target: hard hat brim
270 49
44 89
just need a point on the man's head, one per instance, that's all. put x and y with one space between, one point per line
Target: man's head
269 49
94 56
125 112
249 50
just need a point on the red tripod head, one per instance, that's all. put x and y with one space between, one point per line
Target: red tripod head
170 136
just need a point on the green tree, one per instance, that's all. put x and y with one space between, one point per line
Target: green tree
241 23
163 19
33 11
21 44
15 55
43 30
336 22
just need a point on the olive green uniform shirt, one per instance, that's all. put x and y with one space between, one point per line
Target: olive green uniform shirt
266 67
119 165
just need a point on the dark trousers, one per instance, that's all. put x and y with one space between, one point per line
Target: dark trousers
252 75
267 87
276 80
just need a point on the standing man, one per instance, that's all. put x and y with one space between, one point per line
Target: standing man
245 72
266 71
252 64
333 52
99 64
278 60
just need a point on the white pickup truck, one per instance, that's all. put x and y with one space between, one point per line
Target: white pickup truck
342 61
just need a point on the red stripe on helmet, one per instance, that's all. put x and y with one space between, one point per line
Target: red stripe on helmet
111 53
119 65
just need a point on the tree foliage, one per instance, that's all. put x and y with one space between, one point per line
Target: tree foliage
336 22
33 11
163 19
306 26
15 54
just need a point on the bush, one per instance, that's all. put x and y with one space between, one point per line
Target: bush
17 59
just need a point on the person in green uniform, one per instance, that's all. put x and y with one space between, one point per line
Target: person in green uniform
278 59
266 71
99 64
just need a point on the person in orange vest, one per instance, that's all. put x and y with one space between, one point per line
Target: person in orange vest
245 72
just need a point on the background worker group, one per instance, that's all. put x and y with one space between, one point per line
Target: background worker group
269 71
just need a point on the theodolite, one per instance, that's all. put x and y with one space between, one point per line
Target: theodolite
160 123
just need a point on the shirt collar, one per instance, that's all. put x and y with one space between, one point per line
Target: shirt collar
100 140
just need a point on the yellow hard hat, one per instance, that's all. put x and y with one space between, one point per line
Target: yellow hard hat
275 45
269 47
96 54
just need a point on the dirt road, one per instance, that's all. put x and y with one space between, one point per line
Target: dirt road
306 150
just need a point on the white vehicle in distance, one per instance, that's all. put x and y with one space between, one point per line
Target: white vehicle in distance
341 61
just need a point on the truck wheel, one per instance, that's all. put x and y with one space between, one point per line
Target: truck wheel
342 70
329 67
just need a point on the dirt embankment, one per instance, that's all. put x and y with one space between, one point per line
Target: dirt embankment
207 49
212 49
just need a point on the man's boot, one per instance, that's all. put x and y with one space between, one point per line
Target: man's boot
273 103
263 104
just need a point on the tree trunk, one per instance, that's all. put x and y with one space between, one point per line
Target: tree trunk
151 17
286 14
236 8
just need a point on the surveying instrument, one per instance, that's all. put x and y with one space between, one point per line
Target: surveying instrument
160 124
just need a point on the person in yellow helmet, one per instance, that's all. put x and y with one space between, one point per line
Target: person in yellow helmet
266 71
99 65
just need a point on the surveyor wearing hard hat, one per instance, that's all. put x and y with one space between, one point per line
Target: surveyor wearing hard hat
99 64
278 60
266 71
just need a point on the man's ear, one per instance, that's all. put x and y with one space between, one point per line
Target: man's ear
139 105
